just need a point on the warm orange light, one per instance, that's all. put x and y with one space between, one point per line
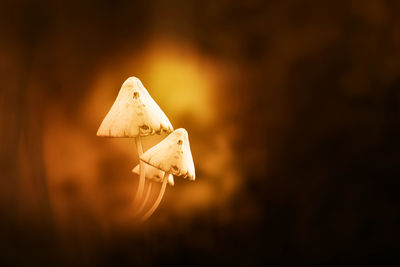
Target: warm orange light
182 81
185 84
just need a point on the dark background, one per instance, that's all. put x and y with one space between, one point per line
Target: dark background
307 97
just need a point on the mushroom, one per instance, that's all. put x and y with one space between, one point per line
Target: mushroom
135 114
173 156
155 175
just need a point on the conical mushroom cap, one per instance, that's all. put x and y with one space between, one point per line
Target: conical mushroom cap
154 174
172 155
134 113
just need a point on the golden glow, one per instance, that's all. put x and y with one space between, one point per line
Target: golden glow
97 171
181 80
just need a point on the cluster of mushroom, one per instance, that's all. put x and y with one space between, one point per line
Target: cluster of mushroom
135 114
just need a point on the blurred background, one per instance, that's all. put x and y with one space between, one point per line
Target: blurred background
292 109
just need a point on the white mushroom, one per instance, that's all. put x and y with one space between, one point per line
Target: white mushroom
134 114
173 156
154 174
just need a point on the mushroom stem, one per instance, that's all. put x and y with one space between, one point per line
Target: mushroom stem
158 200
146 198
140 188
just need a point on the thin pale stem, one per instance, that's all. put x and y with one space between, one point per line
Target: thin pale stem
158 200
140 188
146 198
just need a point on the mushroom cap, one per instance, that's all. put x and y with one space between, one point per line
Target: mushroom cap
154 174
134 113
172 155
